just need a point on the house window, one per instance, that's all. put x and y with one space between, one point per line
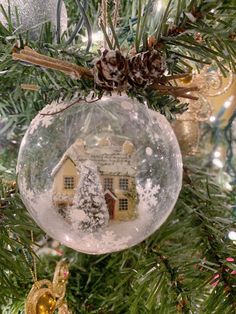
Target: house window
123 204
124 184
108 184
69 183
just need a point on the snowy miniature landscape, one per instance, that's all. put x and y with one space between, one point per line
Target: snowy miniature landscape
113 237
155 166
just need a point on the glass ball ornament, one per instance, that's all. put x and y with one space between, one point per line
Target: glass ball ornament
32 14
99 177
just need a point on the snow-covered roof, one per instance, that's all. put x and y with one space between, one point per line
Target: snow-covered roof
110 160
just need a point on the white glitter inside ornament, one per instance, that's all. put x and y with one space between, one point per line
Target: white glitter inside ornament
32 14
99 177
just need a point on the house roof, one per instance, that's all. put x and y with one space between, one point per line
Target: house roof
110 160
61 162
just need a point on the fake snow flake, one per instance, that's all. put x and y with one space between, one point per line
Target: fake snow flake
149 151
148 194
46 116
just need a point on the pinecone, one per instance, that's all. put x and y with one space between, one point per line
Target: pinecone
145 67
110 71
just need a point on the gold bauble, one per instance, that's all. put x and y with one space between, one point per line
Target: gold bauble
187 133
46 304
46 296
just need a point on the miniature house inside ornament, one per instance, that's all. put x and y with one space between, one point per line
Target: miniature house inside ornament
99 177
96 183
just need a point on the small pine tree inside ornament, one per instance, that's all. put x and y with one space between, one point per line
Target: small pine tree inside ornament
99 177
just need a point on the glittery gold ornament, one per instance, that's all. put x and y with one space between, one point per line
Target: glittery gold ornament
187 125
187 133
46 304
46 296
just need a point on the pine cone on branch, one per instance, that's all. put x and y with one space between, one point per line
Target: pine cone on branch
145 67
110 71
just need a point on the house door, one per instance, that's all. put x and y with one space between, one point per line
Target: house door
110 205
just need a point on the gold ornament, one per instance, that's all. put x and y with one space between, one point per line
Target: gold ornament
210 81
187 133
46 304
213 87
187 127
46 296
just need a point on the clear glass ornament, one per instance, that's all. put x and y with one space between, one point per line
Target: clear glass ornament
99 177
32 14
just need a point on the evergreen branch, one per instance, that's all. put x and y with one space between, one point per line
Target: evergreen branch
163 21
143 26
133 280
176 91
14 242
182 300
30 56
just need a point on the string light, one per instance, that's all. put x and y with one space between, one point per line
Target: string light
218 163
158 6
228 102
217 154
212 118
232 235
97 37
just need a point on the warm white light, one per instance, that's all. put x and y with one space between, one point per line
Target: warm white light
159 6
228 186
228 102
232 235
212 118
218 163
96 37
217 154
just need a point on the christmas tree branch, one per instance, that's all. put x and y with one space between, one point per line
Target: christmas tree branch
175 91
32 57
182 299
183 271
194 241
14 242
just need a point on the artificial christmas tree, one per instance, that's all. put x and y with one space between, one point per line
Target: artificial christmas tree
191 258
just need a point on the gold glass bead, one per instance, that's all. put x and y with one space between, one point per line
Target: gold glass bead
46 304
